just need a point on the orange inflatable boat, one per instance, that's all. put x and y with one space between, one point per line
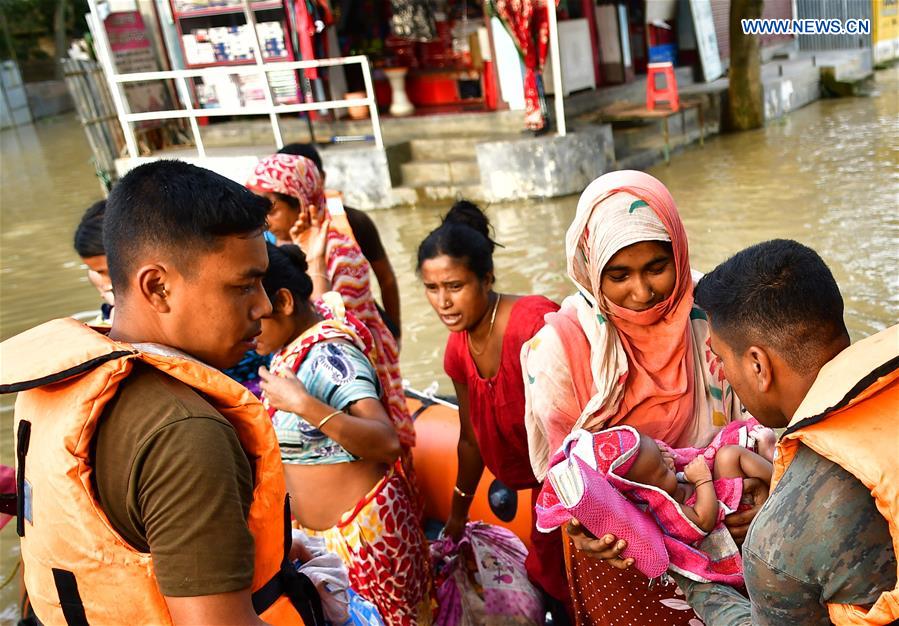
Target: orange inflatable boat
434 458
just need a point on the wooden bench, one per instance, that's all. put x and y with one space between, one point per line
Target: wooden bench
629 112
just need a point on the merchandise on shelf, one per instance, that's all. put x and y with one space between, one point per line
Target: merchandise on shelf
187 6
224 44
207 43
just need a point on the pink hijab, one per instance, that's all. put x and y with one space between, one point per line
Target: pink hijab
290 175
617 210
641 370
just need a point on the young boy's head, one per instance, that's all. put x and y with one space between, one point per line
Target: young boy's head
652 468
186 258
89 246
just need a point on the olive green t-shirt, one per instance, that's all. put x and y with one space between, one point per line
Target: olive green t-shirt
170 474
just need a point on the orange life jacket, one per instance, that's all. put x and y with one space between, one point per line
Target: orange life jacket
851 416
78 569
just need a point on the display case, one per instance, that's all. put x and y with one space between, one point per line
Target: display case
215 33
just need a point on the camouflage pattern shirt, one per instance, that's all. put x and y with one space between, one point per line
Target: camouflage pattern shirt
818 539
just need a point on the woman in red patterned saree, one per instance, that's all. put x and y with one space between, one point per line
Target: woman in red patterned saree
340 451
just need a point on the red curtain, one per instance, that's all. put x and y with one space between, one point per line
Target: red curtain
528 23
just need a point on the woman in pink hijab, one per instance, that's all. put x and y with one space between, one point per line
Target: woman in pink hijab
296 190
628 348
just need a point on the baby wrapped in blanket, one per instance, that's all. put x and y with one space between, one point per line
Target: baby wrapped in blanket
689 512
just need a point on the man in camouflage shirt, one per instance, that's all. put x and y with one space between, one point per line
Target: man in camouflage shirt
777 318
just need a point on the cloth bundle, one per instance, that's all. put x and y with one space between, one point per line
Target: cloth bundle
342 606
579 484
481 580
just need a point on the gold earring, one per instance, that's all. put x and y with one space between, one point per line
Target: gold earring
164 294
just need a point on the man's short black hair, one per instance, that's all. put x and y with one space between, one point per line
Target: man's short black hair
89 234
307 150
176 207
779 293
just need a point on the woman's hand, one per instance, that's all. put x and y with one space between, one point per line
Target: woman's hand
312 227
287 394
697 470
608 548
738 523
299 227
454 528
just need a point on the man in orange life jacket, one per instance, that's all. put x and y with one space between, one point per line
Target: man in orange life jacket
137 434
820 550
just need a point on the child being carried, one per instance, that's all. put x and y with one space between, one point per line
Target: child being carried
706 491
688 507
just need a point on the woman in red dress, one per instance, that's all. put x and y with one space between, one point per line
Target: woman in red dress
487 331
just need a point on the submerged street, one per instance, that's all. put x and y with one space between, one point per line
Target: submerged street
826 175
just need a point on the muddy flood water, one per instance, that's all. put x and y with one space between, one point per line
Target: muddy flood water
826 175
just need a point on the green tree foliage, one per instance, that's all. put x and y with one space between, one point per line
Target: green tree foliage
26 24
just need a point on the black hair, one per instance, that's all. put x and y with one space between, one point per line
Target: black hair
779 293
89 233
307 150
180 208
287 270
464 235
293 203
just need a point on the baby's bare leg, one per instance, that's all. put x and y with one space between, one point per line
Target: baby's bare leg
738 462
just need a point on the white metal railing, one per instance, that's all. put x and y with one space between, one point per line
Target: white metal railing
556 58
191 113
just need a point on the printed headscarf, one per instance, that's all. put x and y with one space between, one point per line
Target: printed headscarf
291 175
641 361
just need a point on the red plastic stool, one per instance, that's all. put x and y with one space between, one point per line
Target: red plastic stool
668 93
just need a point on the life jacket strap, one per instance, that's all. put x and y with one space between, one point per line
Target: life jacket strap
69 597
288 581
23 440
55 377
298 588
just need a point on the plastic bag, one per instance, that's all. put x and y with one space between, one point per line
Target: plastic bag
362 612
481 580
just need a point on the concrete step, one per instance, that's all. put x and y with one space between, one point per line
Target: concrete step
419 173
422 173
431 194
470 124
404 195
444 148
451 192
466 171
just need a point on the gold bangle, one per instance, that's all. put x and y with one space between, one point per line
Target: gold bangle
326 418
462 493
321 274
698 485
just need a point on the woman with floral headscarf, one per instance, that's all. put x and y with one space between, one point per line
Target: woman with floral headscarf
628 348
295 187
